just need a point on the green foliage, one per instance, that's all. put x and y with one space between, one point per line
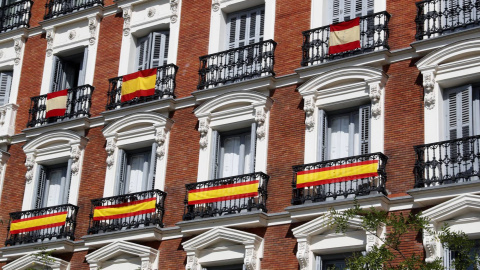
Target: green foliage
383 256
44 256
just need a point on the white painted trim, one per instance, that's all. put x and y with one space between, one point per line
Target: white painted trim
4 156
29 260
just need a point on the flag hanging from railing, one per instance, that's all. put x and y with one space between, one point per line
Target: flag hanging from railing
223 192
123 210
335 174
56 103
344 36
38 223
139 84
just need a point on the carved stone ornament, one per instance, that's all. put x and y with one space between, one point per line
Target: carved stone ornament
371 242
110 148
92 27
29 163
1 54
375 95
192 263
50 35
72 34
151 12
3 114
260 117
309 108
203 129
302 255
18 44
428 85
430 244
75 153
174 9
127 14
160 140
250 260
215 5
146 265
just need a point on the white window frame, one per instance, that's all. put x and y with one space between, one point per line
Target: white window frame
51 148
27 261
244 109
207 249
135 131
338 89
219 15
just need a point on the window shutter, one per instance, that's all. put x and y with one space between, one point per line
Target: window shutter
459 112
318 263
83 68
344 10
447 259
121 171
57 74
322 135
143 49
335 11
68 180
215 154
364 131
253 147
246 27
159 50
41 179
153 167
5 85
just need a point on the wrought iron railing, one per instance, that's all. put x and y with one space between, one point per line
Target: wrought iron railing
439 17
164 87
373 36
130 214
237 64
79 101
31 234
15 15
341 187
447 162
54 8
231 204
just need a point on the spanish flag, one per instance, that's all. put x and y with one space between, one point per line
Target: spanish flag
123 210
335 174
38 223
139 84
57 103
344 36
223 192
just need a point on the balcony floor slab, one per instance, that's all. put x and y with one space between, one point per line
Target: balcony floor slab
151 233
57 246
429 196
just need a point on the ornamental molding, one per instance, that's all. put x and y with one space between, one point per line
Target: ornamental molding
430 242
160 139
75 155
303 254
148 256
151 12
192 262
309 108
28 261
110 148
250 260
203 127
215 5
4 156
127 15
92 28
72 34
260 117
17 45
375 97
50 36
30 163
428 86
174 9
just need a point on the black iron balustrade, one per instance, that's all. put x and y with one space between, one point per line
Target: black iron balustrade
15 15
79 102
343 188
132 219
65 230
439 17
447 162
227 206
164 87
54 8
373 36
237 64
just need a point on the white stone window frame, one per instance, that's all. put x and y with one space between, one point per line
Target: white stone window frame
79 32
225 112
455 64
460 213
27 261
52 148
148 255
218 20
141 18
4 156
318 237
247 248
124 133
343 88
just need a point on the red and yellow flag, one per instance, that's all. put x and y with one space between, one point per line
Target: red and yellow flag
123 210
38 223
139 84
344 36
56 103
337 174
223 192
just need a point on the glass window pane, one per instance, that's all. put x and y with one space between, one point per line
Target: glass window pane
356 134
231 156
137 172
54 189
339 136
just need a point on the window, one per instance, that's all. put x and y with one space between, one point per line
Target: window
461 111
136 170
53 185
227 267
450 255
69 71
152 50
344 134
245 27
5 85
344 10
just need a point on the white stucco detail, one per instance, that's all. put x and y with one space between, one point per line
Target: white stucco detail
28 261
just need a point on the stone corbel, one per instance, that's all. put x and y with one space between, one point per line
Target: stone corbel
50 36
174 9
260 117
4 156
29 163
110 148
215 5
92 28
250 260
309 108
203 128
75 154
127 14
303 254
160 138
18 44
428 86
372 241
430 243
192 261
375 97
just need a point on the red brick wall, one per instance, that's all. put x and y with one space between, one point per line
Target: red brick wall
402 23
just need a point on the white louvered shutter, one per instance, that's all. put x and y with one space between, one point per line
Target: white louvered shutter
459 113
83 67
215 154
58 74
41 179
159 49
152 167
121 172
364 129
318 263
143 51
344 10
246 27
5 85
322 136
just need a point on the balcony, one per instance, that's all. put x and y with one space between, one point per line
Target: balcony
125 212
373 36
54 8
15 15
236 65
447 162
78 104
164 87
339 178
439 17
39 225
226 196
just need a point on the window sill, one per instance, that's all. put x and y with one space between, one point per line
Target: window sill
57 246
430 44
428 196
151 233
